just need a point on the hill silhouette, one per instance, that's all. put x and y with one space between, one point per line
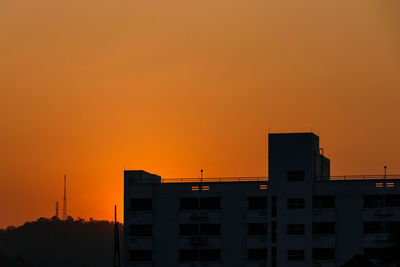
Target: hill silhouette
58 243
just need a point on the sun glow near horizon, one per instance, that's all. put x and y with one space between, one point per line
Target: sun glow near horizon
172 87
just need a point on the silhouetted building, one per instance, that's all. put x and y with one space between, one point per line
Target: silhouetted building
300 216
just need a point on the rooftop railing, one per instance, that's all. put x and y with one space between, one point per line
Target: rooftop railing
359 177
265 179
214 179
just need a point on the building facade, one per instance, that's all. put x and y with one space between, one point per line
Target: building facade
299 216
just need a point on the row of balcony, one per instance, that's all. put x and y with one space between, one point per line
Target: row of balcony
198 241
250 263
323 241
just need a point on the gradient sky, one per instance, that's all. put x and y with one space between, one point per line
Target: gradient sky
89 87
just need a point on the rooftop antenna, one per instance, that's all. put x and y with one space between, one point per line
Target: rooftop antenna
57 208
201 175
116 240
385 167
65 198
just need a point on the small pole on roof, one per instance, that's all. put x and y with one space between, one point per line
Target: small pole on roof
201 175
385 167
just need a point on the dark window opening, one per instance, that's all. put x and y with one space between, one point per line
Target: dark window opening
140 255
323 254
211 203
199 255
374 227
209 254
295 203
295 229
295 255
257 254
210 229
381 201
273 257
188 255
273 232
274 207
323 228
141 230
258 203
257 229
323 202
188 229
141 204
381 227
293 176
189 203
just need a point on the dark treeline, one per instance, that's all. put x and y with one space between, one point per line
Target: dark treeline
58 243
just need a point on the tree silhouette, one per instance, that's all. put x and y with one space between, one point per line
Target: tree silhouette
59 243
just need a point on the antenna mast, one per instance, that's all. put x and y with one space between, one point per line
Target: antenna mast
116 240
57 208
65 199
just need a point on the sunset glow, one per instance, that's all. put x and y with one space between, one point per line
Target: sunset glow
90 88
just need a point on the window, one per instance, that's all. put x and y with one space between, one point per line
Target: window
202 229
140 255
274 207
210 229
295 203
273 257
380 201
211 203
257 203
295 229
257 229
293 176
323 202
188 229
141 204
257 254
202 255
324 254
263 186
209 254
392 227
295 255
323 228
141 230
273 232
189 203
188 255
392 200
374 227
381 227
373 201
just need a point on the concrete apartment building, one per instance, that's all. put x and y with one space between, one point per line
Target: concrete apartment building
300 216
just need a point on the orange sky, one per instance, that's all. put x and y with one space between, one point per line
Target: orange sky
90 86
